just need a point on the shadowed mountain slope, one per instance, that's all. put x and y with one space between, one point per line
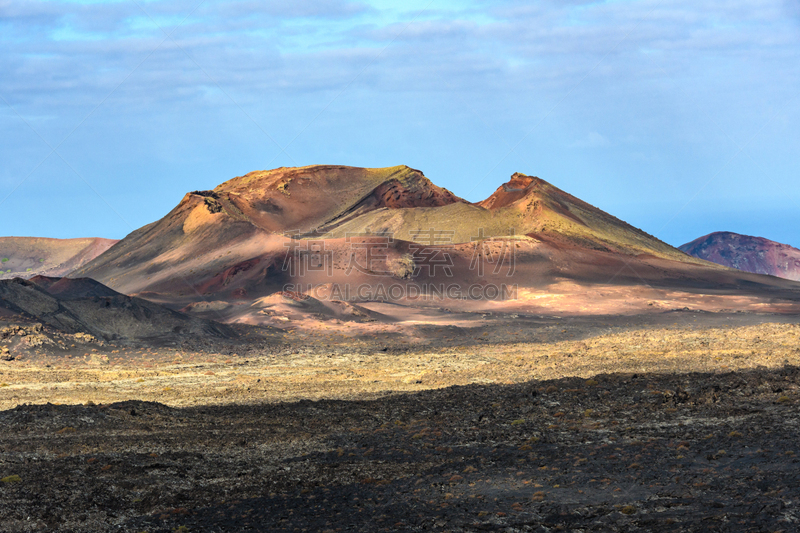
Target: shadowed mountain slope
73 288
113 316
750 254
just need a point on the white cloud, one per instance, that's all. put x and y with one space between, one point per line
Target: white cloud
312 43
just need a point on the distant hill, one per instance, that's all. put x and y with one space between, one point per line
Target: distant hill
747 253
25 257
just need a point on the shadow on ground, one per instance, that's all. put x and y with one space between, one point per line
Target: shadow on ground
694 452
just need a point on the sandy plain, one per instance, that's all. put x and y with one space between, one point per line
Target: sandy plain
351 367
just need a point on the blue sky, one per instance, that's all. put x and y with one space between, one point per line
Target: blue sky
678 117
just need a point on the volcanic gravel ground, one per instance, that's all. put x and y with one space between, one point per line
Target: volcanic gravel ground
694 452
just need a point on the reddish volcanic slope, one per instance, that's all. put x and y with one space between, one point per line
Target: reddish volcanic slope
750 254
233 239
231 242
319 230
311 198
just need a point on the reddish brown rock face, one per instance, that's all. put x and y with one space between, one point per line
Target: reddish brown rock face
750 254
395 195
514 190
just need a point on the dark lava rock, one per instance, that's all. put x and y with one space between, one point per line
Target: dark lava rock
694 452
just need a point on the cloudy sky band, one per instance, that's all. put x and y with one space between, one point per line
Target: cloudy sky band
459 85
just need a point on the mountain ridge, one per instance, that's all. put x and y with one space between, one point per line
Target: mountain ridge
250 215
320 229
747 253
